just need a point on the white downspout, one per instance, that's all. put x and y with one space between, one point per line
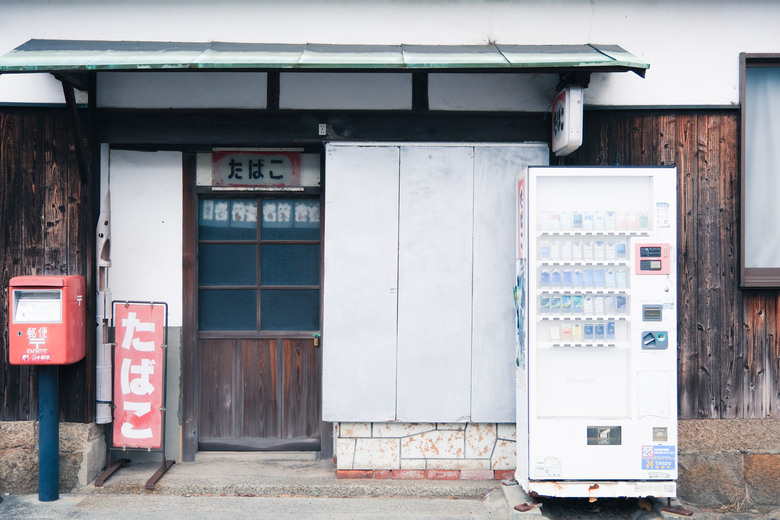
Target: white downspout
103 411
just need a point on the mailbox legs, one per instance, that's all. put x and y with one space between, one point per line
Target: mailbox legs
48 434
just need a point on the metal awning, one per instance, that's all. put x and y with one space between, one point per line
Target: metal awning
73 56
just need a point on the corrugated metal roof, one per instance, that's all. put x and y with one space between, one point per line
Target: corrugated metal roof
85 55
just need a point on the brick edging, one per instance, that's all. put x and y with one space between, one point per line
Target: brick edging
430 474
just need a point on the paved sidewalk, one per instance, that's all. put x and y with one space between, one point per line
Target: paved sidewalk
238 486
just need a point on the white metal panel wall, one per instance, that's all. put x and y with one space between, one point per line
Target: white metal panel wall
360 282
434 287
146 224
493 312
437 223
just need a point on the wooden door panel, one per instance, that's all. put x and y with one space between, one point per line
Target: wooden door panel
217 395
260 394
301 393
259 376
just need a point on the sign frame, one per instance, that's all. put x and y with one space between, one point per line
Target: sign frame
148 337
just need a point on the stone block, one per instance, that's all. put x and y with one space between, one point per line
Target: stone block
762 476
93 461
76 436
18 435
439 444
345 453
18 471
377 454
713 479
507 431
355 430
480 440
746 435
400 430
504 455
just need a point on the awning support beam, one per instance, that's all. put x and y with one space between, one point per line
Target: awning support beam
81 151
575 79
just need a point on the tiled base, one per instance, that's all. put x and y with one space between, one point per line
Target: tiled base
425 450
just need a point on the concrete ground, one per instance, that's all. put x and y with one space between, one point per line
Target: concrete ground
237 486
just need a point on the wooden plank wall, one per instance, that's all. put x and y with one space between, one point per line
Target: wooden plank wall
729 353
41 232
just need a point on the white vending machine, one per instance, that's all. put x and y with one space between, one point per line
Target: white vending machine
597 332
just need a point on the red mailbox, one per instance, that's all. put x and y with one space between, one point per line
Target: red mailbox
46 316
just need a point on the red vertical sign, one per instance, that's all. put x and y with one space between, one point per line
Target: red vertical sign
139 362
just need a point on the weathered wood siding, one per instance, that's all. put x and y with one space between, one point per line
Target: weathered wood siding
42 226
729 353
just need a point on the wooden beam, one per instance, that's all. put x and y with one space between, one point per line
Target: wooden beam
81 151
190 380
175 129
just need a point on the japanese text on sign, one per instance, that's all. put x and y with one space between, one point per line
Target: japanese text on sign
249 168
138 374
36 336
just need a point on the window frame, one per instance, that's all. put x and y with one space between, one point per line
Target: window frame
751 277
259 242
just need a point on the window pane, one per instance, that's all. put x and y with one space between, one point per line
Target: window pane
290 264
291 219
222 219
762 175
290 309
227 264
227 309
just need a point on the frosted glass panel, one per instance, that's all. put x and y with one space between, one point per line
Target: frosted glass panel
762 170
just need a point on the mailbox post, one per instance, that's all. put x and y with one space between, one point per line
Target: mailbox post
46 327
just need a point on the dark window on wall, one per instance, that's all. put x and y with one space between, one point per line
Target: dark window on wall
259 264
760 165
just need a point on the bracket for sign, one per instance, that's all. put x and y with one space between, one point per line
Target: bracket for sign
150 340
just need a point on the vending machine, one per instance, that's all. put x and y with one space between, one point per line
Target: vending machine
597 334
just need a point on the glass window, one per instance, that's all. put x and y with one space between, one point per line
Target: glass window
290 309
760 252
227 309
227 264
259 264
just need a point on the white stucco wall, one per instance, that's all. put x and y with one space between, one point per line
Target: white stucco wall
693 46
146 224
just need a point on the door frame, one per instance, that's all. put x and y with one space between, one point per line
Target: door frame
190 356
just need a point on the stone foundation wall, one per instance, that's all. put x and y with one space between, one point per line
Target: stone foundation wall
82 456
425 450
732 463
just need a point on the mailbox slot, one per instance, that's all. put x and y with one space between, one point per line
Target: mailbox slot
37 306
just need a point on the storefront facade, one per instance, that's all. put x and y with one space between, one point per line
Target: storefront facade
356 310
